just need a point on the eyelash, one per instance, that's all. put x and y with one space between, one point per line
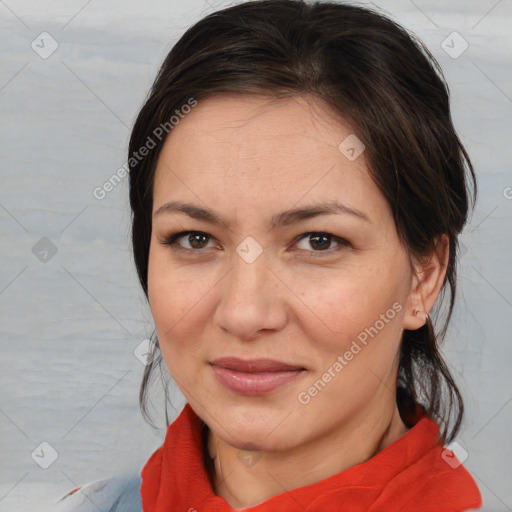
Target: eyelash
171 241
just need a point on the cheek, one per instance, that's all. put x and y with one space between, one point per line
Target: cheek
175 302
358 352
350 304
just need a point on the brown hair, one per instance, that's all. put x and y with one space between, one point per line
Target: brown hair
379 78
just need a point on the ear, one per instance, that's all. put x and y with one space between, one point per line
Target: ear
427 281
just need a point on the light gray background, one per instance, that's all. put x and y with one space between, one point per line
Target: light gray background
69 326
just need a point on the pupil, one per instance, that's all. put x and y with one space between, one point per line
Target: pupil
316 237
194 240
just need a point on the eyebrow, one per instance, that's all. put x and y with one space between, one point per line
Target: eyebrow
281 219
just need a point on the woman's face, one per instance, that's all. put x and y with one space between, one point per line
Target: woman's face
324 296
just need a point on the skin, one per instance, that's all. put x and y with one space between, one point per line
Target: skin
248 158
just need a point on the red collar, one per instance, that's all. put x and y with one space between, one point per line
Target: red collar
410 474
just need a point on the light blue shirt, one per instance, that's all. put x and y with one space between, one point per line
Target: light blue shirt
115 494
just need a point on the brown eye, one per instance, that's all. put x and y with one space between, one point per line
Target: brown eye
196 240
321 242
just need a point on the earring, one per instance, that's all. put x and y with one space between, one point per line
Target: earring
415 313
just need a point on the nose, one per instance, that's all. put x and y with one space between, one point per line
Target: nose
252 299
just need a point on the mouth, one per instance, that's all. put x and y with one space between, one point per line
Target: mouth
255 376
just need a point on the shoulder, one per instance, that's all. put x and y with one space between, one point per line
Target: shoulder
114 494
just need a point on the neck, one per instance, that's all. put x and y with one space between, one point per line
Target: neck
246 479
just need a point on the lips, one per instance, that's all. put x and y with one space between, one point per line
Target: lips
254 365
255 376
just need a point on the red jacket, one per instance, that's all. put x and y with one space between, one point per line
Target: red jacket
410 475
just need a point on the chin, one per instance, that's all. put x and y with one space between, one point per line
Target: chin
251 426
259 442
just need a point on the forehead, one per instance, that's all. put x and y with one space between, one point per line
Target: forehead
237 119
259 150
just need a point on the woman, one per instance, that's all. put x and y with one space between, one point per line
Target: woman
297 190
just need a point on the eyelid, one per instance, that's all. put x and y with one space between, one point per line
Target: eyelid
172 239
339 240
